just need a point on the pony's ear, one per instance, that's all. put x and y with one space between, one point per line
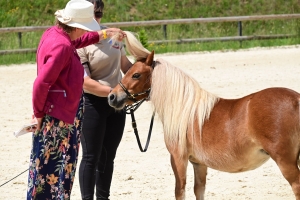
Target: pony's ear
149 59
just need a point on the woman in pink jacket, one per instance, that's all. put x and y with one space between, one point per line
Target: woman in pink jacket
57 100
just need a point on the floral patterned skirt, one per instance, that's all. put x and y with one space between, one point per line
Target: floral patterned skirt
54 157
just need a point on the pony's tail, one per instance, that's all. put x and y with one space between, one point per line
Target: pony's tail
135 47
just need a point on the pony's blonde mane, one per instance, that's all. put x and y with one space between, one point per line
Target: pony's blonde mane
177 98
134 47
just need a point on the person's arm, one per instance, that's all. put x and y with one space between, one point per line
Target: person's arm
51 62
86 39
95 87
95 36
90 84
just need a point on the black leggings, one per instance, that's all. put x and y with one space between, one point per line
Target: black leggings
102 132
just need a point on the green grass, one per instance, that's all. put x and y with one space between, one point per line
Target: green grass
41 13
17 59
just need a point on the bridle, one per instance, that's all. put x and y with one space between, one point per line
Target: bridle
132 97
129 109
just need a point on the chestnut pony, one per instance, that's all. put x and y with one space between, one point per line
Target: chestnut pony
230 135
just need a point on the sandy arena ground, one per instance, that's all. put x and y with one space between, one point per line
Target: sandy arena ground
149 176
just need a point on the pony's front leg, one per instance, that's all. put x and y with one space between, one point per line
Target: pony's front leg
200 172
179 166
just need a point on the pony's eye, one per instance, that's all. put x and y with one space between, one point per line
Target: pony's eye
136 76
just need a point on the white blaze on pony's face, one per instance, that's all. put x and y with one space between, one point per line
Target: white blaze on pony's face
134 84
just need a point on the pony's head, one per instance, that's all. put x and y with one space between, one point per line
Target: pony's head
135 84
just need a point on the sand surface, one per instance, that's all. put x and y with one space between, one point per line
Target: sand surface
149 175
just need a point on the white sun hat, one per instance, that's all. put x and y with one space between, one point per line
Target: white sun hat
79 14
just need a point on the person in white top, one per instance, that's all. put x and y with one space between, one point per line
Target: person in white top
102 127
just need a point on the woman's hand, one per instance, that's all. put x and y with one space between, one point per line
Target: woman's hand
38 126
39 123
114 33
32 128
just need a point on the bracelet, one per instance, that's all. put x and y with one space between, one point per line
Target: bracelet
104 34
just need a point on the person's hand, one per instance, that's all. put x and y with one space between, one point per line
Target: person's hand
113 33
39 123
36 127
32 128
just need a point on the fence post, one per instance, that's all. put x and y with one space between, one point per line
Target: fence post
165 31
20 39
240 28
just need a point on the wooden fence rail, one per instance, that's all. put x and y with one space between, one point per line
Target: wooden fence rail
238 19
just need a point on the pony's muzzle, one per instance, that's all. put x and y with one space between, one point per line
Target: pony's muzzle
116 101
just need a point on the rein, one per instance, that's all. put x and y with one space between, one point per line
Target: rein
129 109
133 108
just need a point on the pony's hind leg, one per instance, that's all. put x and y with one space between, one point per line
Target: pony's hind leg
200 172
287 160
179 166
290 171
